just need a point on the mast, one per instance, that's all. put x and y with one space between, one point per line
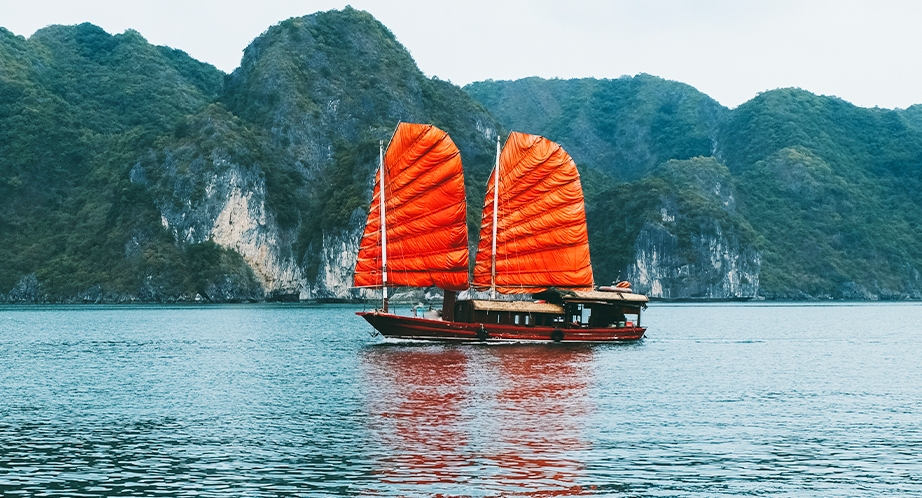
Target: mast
495 210
383 227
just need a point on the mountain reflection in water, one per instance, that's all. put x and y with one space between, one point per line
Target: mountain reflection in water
478 420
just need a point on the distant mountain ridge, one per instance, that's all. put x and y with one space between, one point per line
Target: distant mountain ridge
624 127
133 173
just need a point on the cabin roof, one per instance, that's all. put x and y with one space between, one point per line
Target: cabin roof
518 306
556 295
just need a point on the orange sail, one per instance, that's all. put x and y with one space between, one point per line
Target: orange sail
541 237
425 215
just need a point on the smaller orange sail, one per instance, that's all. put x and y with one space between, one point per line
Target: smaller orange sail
541 237
425 214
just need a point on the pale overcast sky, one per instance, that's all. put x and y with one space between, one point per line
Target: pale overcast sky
866 52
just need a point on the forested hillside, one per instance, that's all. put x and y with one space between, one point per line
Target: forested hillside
78 107
825 192
133 172
130 172
624 127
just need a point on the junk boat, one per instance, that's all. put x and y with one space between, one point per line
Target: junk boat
533 241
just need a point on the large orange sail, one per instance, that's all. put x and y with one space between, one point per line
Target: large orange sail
541 237
425 214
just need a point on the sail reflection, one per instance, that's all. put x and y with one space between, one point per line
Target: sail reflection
416 409
541 409
504 420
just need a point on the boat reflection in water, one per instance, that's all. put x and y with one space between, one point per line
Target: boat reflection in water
461 420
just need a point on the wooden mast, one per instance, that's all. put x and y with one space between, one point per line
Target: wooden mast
383 226
495 211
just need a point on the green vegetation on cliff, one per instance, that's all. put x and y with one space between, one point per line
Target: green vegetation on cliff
327 88
78 107
834 190
829 193
118 157
624 127
121 162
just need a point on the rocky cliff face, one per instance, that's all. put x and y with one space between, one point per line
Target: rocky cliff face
27 291
714 266
232 212
681 236
335 258
698 248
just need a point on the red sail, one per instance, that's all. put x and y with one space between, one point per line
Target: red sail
425 214
541 238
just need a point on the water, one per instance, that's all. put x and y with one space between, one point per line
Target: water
301 401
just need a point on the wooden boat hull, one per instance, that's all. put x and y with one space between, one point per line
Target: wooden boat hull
405 327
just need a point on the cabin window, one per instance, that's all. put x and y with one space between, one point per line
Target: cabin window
516 319
579 310
587 312
497 318
527 320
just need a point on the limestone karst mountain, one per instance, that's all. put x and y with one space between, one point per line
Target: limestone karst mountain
139 159
130 172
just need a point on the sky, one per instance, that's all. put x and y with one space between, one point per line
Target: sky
866 52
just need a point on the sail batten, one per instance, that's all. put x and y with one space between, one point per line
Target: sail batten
538 239
425 215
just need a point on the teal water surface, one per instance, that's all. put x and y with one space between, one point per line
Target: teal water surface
294 400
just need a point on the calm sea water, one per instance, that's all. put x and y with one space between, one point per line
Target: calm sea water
302 401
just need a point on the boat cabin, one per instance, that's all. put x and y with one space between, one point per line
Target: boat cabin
557 308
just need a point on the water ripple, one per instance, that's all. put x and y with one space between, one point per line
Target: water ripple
299 401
